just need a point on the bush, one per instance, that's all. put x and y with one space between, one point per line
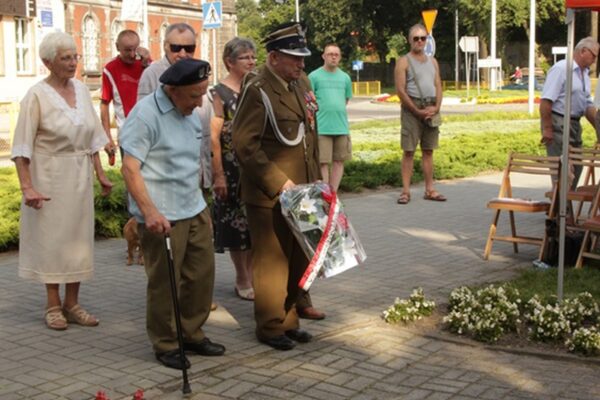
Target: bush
111 211
485 314
415 308
585 341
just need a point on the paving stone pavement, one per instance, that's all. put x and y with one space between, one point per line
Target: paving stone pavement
354 355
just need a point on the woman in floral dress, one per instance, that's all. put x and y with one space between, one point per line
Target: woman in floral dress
229 217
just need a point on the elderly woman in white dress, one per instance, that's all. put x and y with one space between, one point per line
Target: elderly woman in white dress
55 150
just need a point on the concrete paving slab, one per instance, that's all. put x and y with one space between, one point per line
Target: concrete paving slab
437 246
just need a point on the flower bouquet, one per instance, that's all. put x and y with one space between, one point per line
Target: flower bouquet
317 219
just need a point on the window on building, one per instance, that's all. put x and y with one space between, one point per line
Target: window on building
90 44
115 28
163 35
23 46
141 32
2 48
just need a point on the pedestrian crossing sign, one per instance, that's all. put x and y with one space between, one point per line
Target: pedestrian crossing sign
211 15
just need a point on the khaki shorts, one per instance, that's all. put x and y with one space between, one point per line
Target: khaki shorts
334 148
413 131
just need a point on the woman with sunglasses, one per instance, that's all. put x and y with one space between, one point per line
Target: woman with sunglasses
55 150
229 217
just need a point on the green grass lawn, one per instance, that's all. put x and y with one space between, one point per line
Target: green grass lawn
469 145
544 283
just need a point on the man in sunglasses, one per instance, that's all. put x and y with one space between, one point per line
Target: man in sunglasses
552 104
180 44
161 141
419 87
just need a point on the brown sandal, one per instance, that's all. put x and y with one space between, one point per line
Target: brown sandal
404 198
434 196
55 319
79 316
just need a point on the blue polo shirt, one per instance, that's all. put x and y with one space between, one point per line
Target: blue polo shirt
554 89
167 144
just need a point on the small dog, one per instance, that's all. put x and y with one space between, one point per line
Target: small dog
130 233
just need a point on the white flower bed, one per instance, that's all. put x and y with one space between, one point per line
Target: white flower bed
488 313
415 308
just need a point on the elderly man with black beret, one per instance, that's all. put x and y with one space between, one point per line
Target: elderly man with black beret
276 144
161 140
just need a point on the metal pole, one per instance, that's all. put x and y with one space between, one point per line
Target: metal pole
297 11
456 49
564 170
531 54
145 33
467 71
215 62
493 46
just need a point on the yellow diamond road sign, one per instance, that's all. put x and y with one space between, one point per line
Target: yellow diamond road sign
429 19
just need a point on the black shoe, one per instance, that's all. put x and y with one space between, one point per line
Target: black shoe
171 359
299 335
280 342
205 348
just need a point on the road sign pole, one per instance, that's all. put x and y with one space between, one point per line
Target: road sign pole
215 69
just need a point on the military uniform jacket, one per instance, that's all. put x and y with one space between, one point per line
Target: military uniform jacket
267 163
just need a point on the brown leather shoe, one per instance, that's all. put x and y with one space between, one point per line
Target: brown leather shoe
310 313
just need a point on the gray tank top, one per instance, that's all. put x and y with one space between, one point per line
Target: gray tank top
426 76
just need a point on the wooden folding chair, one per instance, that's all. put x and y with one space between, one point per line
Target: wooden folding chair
592 229
506 201
589 160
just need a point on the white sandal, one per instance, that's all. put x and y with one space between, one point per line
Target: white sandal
55 319
79 316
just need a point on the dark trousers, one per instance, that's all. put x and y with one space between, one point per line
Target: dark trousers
278 263
194 262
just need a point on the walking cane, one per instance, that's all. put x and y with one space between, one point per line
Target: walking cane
186 385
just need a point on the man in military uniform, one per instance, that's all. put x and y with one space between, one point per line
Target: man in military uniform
276 144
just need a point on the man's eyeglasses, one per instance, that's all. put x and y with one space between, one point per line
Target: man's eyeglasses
247 58
176 48
75 58
419 38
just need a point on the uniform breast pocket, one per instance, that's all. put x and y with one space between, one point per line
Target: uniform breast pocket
288 126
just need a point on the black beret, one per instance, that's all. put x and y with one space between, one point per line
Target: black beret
186 72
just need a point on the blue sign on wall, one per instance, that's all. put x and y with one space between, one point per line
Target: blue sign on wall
46 17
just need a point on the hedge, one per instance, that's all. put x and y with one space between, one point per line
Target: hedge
469 145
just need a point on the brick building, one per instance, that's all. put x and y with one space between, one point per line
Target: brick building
94 24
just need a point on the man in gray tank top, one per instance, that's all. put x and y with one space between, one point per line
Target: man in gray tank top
419 87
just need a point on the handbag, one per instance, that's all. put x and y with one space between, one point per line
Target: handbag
436 120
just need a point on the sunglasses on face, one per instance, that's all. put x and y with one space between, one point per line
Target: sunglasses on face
176 48
419 38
